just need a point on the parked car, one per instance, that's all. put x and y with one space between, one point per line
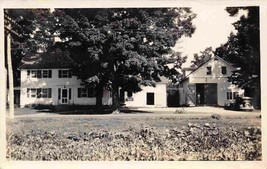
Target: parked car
240 104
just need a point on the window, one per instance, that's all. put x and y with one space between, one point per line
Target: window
39 73
86 93
231 95
129 96
150 98
64 73
209 70
39 92
45 74
224 70
34 73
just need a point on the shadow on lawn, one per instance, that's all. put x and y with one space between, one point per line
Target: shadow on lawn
79 110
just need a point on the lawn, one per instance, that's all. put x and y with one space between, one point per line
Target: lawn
134 137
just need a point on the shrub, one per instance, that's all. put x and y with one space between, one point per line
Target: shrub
191 142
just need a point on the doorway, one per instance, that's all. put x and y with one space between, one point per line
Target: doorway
150 98
64 95
206 94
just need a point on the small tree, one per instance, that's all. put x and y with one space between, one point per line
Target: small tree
123 48
203 56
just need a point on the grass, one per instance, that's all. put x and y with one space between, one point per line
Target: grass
134 137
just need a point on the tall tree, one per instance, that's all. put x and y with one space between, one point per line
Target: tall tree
243 50
26 31
123 48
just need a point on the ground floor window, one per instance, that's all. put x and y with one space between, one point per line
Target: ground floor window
150 99
86 93
129 96
231 95
39 92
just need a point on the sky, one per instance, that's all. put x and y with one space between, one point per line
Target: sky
213 26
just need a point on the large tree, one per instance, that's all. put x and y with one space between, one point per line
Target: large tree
27 32
123 48
243 50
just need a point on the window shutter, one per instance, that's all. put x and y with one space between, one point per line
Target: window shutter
49 93
79 92
70 93
28 73
59 73
70 73
39 93
28 92
59 92
49 73
89 92
39 74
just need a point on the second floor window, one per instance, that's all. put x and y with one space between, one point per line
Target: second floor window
224 71
209 70
39 73
64 73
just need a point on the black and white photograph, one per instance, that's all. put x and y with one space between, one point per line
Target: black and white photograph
139 83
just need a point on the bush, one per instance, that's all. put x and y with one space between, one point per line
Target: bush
193 142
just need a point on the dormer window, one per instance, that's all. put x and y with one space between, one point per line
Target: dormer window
208 70
224 70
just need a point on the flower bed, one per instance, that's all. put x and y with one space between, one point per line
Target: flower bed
191 142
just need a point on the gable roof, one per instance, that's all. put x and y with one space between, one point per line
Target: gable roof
47 60
212 58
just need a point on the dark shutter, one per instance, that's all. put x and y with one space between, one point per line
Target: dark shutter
39 74
70 93
49 73
49 93
39 93
70 73
79 92
59 92
59 73
28 92
28 73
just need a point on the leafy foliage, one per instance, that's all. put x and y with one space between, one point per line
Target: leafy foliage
243 50
125 47
203 56
191 142
33 33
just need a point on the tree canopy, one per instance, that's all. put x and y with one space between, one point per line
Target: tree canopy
243 50
203 56
123 48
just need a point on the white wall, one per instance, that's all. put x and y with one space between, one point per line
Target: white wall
140 100
54 83
200 76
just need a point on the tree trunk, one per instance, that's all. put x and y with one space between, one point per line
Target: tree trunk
99 96
115 96
10 77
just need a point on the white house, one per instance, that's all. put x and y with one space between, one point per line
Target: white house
208 84
48 80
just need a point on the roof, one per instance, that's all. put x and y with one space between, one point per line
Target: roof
215 57
195 69
48 60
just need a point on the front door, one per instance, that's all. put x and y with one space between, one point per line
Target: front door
64 98
64 95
